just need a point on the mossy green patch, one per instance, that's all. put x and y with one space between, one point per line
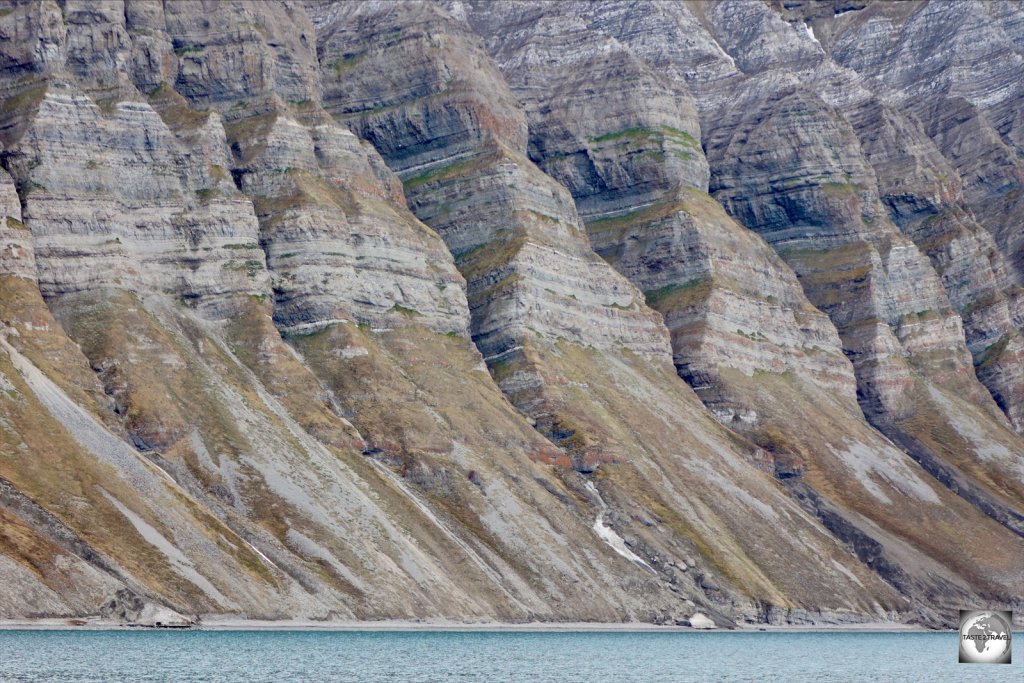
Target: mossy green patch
654 296
615 226
993 351
408 312
642 132
444 172
676 297
544 217
302 190
27 98
346 63
207 194
175 110
841 189
499 287
482 259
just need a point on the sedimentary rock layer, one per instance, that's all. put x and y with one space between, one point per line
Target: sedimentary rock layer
745 332
507 311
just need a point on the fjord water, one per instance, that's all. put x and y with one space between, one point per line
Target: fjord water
254 656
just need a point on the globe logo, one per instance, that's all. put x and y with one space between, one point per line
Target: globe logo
985 636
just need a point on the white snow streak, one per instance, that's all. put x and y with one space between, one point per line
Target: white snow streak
810 33
608 535
265 558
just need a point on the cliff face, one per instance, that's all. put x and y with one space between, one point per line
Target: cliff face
510 310
782 127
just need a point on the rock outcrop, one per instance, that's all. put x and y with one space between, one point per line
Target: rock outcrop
972 117
509 310
457 138
788 164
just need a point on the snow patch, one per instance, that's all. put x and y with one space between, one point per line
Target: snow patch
152 614
260 553
352 352
700 621
809 30
608 535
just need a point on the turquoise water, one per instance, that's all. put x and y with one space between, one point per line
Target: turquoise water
223 656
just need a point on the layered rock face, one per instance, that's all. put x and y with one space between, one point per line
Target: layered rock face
968 105
808 187
783 161
231 481
18 254
384 310
850 112
455 135
536 290
626 142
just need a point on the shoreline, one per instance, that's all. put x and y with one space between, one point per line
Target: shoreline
214 623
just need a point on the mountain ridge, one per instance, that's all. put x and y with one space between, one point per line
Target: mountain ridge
509 311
